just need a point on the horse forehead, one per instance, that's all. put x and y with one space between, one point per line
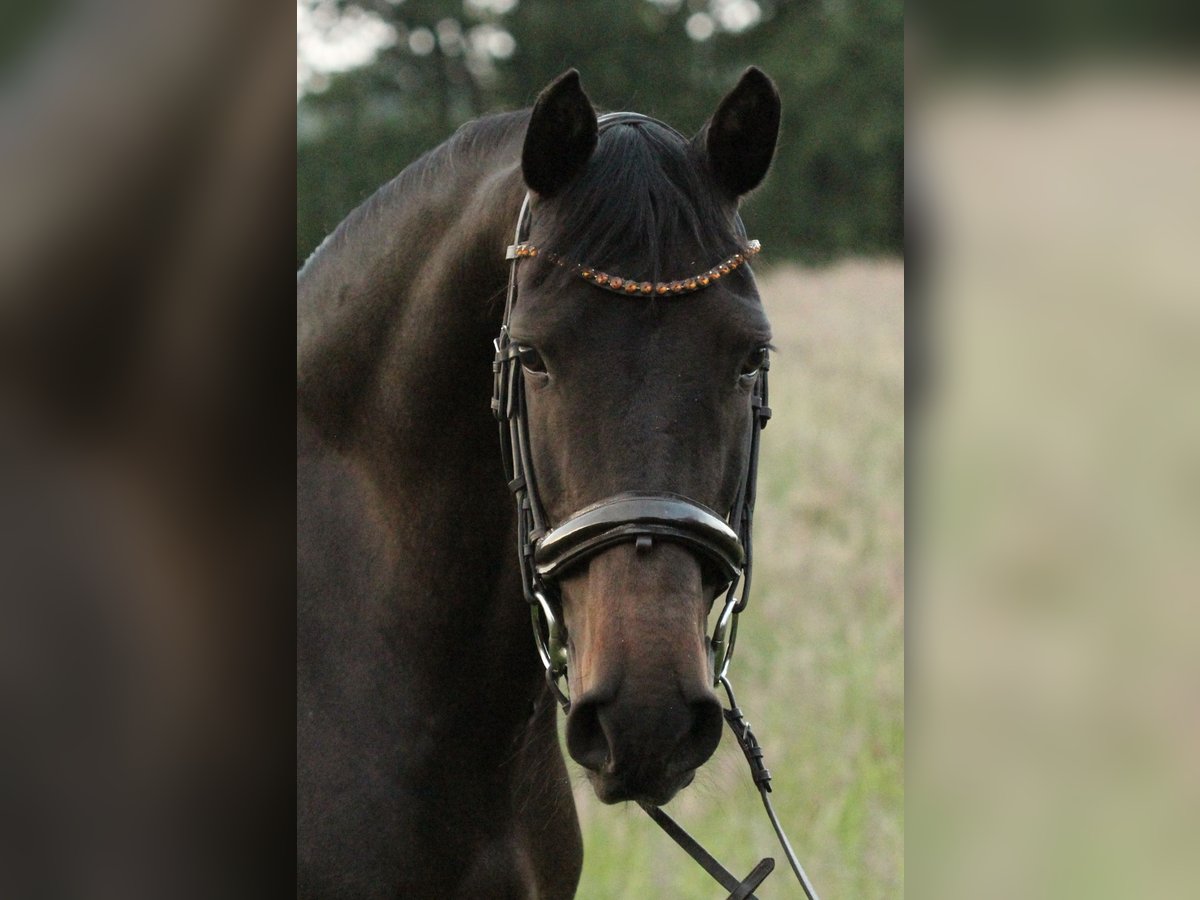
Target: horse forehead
585 315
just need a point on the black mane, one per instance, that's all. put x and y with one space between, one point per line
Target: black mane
474 142
643 208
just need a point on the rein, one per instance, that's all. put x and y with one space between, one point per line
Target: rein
545 551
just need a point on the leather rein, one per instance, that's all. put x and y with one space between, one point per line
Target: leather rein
546 551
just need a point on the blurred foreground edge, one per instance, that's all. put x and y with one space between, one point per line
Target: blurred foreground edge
146 511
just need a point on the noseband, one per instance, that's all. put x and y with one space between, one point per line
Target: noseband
640 517
547 552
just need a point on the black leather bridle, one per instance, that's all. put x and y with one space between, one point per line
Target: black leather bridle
546 551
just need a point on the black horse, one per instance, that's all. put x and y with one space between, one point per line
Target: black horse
429 764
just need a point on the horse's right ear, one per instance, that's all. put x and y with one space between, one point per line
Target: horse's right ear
740 138
561 136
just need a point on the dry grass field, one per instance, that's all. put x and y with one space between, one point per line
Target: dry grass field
820 664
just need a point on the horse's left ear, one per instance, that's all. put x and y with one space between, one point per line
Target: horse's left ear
739 140
561 136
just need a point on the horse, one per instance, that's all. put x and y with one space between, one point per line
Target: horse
428 760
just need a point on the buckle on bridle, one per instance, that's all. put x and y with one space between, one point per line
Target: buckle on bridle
500 376
550 640
720 647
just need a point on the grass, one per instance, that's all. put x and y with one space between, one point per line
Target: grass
820 664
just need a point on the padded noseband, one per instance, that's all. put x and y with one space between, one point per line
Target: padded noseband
631 516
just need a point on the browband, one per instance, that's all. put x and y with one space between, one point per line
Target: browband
632 287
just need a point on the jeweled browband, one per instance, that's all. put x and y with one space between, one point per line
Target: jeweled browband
619 285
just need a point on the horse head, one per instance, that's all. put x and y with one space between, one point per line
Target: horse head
646 390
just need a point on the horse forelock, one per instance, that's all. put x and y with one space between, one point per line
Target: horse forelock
645 207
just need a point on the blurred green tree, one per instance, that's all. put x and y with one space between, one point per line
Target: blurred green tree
837 183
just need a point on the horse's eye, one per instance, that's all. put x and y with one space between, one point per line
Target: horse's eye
531 360
754 362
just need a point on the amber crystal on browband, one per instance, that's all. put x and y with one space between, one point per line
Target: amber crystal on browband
646 288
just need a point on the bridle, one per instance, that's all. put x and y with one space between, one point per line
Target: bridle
546 551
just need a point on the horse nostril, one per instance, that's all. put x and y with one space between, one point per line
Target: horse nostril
648 750
587 741
703 735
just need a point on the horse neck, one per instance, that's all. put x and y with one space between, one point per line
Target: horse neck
397 308
398 312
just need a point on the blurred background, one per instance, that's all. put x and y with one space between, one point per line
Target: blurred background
820 662
381 82
1053 163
